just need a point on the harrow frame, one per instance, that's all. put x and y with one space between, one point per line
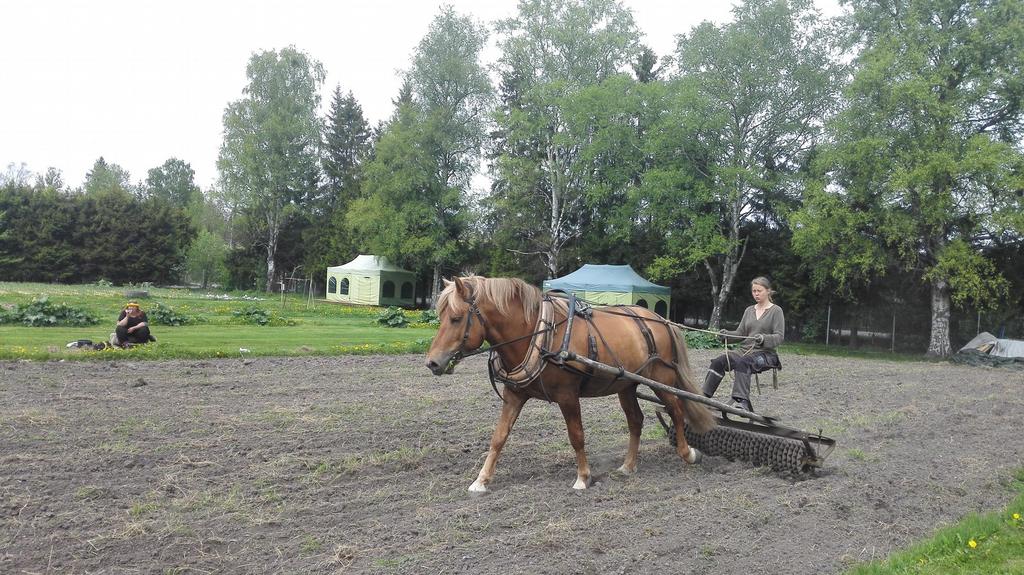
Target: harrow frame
760 439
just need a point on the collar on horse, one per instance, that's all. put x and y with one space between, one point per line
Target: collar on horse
529 369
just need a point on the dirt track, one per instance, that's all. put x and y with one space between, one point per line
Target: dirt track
361 464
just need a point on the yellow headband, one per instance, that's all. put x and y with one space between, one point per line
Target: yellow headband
131 304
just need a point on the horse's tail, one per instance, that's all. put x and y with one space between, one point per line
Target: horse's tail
696 414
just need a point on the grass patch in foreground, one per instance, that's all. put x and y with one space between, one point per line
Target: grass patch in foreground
989 544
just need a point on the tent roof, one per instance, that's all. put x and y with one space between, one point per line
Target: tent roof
594 277
365 263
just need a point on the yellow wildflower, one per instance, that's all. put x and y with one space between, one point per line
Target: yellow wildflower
1016 516
972 543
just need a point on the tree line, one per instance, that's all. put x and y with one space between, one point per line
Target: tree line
871 158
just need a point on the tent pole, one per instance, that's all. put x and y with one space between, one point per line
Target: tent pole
828 324
892 346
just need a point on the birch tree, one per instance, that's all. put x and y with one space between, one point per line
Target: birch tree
749 101
552 50
269 157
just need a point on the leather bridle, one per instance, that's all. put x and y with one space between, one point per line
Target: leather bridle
462 352
474 310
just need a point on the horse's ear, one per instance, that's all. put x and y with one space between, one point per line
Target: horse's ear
446 282
460 287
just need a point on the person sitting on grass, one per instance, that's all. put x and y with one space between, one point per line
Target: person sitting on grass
132 327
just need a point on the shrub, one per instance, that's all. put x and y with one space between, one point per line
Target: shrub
163 315
253 314
701 340
41 312
392 317
429 316
258 316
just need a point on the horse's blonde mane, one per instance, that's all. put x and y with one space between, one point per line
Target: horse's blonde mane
498 291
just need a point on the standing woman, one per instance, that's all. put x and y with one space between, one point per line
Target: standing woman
761 330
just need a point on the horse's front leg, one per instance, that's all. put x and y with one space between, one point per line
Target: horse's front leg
512 405
635 421
574 425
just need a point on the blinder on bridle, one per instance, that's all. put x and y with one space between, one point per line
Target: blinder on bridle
462 353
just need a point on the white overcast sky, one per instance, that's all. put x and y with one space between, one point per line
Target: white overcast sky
138 82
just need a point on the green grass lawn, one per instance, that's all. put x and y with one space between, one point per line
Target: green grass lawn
219 341
298 327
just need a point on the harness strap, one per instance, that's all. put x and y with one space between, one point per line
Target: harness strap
571 310
652 350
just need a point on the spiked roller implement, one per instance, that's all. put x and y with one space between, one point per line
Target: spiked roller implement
781 448
759 440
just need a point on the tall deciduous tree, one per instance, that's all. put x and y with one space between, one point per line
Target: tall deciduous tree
206 258
927 170
748 107
551 51
174 182
610 122
417 183
270 154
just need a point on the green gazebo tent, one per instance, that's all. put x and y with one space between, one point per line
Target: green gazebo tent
612 285
371 280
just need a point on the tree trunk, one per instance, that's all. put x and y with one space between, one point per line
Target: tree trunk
720 294
551 262
435 286
716 310
556 231
939 345
271 250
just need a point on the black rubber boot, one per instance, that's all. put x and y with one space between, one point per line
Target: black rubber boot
711 381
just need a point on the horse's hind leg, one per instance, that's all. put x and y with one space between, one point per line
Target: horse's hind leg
574 425
635 420
675 407
512 405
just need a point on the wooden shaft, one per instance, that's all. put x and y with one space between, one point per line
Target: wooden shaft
614 371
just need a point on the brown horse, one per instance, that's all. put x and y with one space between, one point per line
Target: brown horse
520 324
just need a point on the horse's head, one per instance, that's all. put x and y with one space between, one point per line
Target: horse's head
462 326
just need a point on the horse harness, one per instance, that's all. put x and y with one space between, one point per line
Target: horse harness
540 353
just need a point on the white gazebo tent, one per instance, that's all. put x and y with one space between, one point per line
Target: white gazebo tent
371 280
